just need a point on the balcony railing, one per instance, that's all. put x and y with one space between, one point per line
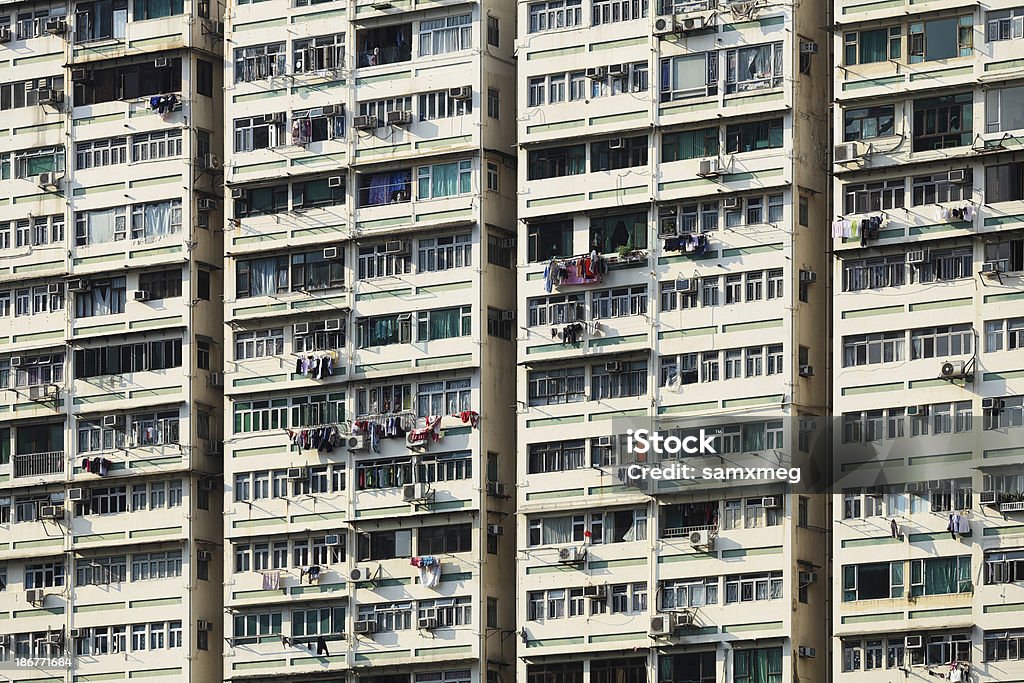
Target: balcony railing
681 531
35 464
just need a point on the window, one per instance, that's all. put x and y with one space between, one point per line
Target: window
261 201
31 163
261 277
163 565
555 310
388 616
320 192
876 581
322 53
869 349
318 621
875 273
1004 645
941 576
938 188
679 594
493 31
690 144
500 250
97 153
753 587
156 219
19 94
257 62
44 575
555 14
448 397
35 371
608 233
868 123
872 197
614 11
384 330
629 380
103 20
943 122
758 665
105 500
1004 108
941 39
375 261
444 253
1004 183
870 47
317 125
444 180
756 135
248 628
101 571
1007 24
377 189
129 82
104 297
549 240
384 45
556 162
161 284
558 456
439 540
562 385
156 9
128 358
493 99
619 303
156 145
446 34
688 76
941 342
754 68
609 155
259 132
441 105
204 77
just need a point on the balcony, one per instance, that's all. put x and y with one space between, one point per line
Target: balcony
37 464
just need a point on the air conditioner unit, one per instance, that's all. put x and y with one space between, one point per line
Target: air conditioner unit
365 122
55 638
616 143
204 555
508 316
808 276
808 47
771 502
570 555
209 161
463 92
603 442
40 392
991 403
992 267
301 328
204 625
917 256
953 369
808 577
15 361
332 540
806 652
917 411
913 486
496 489
296 473
332 109
77 495
47 180
276 117
613 366
708 167
399 118
206 204
77 286
845 152
686 284
6 35
335 181
700 538
51 512
50 96
396 247
161 62
731 203
214 380
140 295
411 492
77 633
664 26
111 420
331 253
356 442
596 73
689 24
618 70
209 484
55 288
56 26
366 626
661 625
958 176
807 371
990 498
495 530
237 193
362 574
332 325
427 623
682 619
595 592
35 596
81 75
914 642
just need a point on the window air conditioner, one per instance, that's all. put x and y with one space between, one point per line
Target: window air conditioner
495 530
301 328
399 118
296 473
331 253
463 92
332 540
365 122
335 181
206 204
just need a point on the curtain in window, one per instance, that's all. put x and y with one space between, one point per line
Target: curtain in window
378 190
688 73
444 180
102 300
36 165
262 277
101 225
558 530
753 438
444 324
874 46
940 576
157 219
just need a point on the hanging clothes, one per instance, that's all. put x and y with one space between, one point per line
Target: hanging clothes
271 581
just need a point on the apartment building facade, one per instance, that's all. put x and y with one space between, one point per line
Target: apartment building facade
109 307
926 232
672 276
369 242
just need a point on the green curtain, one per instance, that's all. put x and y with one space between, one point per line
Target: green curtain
940 576
873 46
444 324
